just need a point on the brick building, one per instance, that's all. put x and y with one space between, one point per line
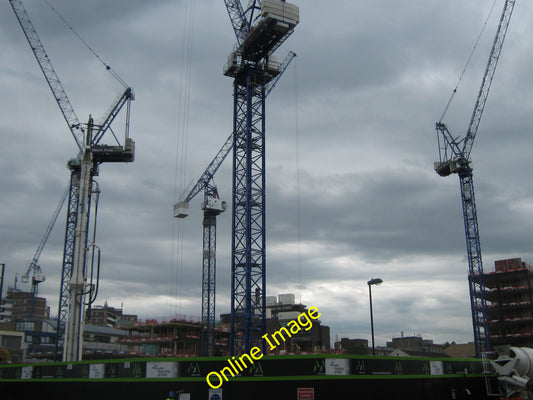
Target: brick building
21 304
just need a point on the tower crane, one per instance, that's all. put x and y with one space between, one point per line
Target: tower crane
82 170
37 275
454 158
260 29
213 206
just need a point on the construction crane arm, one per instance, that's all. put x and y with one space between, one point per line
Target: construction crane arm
284 65
49 73
181 208
240 24
455 159
115 108
207 176
487 77
241 19
450 155
32 266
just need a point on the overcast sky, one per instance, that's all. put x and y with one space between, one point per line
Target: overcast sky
351 192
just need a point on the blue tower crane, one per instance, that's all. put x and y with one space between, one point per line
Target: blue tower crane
260 29
82 169
454 158
212 207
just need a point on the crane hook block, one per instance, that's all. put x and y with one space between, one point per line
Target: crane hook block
181 209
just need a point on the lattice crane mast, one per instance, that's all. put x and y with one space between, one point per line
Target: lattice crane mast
260 29
212 207
454 158
83 168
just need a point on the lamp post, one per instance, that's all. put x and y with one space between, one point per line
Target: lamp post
2 281
375 281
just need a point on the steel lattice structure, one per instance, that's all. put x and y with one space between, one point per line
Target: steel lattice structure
68 255
209 223
260 29
212 207
248 319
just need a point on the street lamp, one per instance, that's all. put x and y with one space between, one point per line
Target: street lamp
375 281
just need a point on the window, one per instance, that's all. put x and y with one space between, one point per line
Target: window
25 326
11 342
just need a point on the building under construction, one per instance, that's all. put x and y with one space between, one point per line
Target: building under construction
509 295
178 336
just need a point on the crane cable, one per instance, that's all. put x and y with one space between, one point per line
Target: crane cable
180 171
467 62
298 183
107 66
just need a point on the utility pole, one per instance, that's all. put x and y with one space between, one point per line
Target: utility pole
2 281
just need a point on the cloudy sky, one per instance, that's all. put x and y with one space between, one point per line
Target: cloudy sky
351 191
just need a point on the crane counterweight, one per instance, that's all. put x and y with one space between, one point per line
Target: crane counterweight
214 205
453 166
181 209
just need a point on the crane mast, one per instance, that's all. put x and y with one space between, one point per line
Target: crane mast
82 168
73 348
259 29
456 159
212 207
